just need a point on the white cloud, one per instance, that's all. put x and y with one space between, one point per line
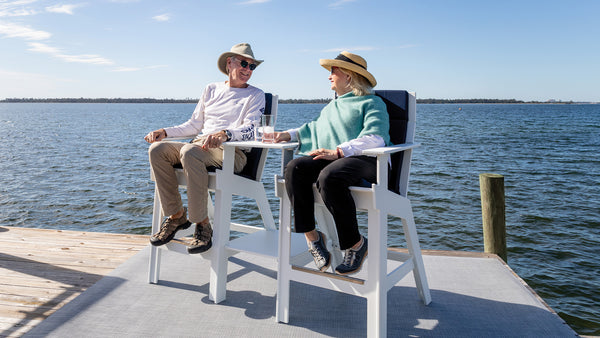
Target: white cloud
86 58
340 3
253 2
126 69
62 9
135 69
12 30
57 53
16 8
43 48
162 17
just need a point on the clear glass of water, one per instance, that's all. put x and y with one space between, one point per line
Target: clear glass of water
265 129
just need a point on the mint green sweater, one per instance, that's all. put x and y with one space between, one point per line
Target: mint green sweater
346 118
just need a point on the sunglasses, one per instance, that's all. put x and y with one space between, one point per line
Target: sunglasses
245 64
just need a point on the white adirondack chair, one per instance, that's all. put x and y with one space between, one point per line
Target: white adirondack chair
224 183
387 197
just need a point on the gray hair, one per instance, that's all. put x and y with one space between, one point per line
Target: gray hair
229 58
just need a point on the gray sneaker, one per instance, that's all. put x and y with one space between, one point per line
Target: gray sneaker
321 256
353 259
168 228
202 239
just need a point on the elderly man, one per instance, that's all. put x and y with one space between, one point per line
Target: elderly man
226 111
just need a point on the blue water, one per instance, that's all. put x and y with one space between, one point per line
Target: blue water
84 167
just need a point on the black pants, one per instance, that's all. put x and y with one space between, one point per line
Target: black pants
333 180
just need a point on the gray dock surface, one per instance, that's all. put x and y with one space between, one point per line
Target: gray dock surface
472 296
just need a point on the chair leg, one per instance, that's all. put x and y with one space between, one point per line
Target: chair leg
265 209
154 268
412 242
282 313
210 208
377 274
219 257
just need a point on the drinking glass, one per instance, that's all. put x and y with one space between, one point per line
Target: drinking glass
265 129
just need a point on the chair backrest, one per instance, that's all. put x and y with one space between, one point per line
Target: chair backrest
401 107
256 157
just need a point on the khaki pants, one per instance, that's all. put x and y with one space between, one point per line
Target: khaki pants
194 160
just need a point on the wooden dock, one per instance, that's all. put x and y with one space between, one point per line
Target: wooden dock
42 270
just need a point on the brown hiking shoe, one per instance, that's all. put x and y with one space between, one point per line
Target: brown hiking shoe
202 239
168 228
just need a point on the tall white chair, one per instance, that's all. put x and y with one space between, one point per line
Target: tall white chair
224 184
383 268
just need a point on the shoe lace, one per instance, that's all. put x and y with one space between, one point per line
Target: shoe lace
349 257
201 234
317 253
162 232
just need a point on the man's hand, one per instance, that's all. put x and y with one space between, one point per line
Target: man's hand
214 140
155 136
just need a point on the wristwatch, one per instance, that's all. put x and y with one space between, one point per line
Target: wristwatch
228 133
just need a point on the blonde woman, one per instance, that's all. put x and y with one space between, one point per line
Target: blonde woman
332 158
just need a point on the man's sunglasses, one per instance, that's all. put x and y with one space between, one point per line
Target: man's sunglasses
245 64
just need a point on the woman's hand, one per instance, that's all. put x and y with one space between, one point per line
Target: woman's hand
282 136
324 154
155 136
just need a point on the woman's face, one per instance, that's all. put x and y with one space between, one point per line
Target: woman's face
238 75
339 81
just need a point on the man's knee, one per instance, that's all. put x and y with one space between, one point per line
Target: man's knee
188 152
157 149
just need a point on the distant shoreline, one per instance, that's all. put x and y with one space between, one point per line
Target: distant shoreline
282 101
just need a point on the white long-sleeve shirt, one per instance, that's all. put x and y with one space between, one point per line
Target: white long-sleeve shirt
224 107
353 147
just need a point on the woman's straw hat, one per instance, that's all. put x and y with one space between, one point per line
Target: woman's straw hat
351 62
241 49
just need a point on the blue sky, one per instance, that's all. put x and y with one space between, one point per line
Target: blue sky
526 50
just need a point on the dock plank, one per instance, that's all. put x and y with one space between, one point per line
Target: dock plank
41 270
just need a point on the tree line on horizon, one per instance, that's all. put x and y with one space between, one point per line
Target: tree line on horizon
282 101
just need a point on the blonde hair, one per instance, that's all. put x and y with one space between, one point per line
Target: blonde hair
359 84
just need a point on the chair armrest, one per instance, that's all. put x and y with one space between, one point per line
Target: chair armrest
390 150
383 158
179 138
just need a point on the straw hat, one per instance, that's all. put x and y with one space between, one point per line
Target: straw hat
241 49
351 62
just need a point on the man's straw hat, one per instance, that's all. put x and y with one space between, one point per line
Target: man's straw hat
241 49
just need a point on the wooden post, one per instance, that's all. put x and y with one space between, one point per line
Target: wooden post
493 214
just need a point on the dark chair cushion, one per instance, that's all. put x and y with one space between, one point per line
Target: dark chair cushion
396 102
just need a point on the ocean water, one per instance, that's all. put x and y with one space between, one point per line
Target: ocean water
84 167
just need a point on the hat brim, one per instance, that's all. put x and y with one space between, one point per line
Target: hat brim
328 63
222 62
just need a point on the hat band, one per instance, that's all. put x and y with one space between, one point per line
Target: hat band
342 57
